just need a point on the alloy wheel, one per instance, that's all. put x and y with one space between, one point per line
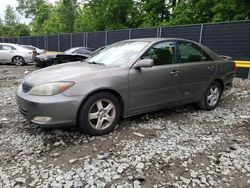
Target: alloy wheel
213 95
102 114
18 61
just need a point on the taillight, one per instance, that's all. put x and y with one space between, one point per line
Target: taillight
234 65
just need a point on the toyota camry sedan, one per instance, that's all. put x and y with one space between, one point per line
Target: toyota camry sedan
124 79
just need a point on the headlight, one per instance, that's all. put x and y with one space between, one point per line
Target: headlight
50 88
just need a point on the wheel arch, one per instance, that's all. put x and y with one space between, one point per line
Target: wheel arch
221 83
17 55
112 91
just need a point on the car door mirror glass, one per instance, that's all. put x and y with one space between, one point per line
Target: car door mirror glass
144 63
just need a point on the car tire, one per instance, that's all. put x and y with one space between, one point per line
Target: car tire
39 64
211 96
18 61
99 114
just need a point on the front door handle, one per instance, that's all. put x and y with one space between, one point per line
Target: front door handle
175 72
210 67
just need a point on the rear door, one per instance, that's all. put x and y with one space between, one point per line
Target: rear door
155 86
196 70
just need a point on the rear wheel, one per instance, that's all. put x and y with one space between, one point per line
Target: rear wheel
99 114
211 97
18 61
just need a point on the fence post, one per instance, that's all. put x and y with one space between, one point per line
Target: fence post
44 40
71 40
83 39
129 34
37 43
29 40
201 32
160 32
58 43
86 39
106 38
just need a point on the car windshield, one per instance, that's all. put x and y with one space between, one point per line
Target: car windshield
70 51
119 54
29 47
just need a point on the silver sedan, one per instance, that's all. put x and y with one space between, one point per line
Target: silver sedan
15 54
124 79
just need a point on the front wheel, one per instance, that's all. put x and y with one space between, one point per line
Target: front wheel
211 97
99 114
18 61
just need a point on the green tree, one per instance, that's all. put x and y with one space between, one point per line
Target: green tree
43 14
202 11
67 12
192 11
229 10
29 7
10 16
155 12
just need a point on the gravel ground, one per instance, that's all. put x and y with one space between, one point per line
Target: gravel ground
178 147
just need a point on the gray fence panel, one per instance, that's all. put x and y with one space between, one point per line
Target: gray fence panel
78 39
6 40
96 39
53 43
144 33
41 42
10 40
26 40
20 40
115 36
185 32
33 41
65 42
231 39
15 40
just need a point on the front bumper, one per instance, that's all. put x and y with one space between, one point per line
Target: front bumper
43 63
61 110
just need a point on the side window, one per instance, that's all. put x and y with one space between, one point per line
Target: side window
5 47
162 53
189 52
82 51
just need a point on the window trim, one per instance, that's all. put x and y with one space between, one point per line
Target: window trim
2 45
178 60
164 41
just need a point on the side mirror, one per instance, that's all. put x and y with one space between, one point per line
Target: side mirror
144 63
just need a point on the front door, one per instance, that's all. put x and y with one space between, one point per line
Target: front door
155 86
6 52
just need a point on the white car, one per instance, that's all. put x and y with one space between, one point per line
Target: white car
15 54
38 50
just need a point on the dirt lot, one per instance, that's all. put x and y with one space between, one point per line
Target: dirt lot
179 147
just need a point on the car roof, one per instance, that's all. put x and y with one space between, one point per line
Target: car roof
9 44
158 39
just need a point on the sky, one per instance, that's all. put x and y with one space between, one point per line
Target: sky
13 3
3 5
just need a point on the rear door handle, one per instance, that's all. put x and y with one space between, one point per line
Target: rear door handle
210 67
175 72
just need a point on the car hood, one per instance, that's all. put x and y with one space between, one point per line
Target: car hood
42 56
77 71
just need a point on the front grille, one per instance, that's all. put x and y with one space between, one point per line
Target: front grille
26 87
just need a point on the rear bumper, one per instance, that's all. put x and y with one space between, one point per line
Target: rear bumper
59 109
